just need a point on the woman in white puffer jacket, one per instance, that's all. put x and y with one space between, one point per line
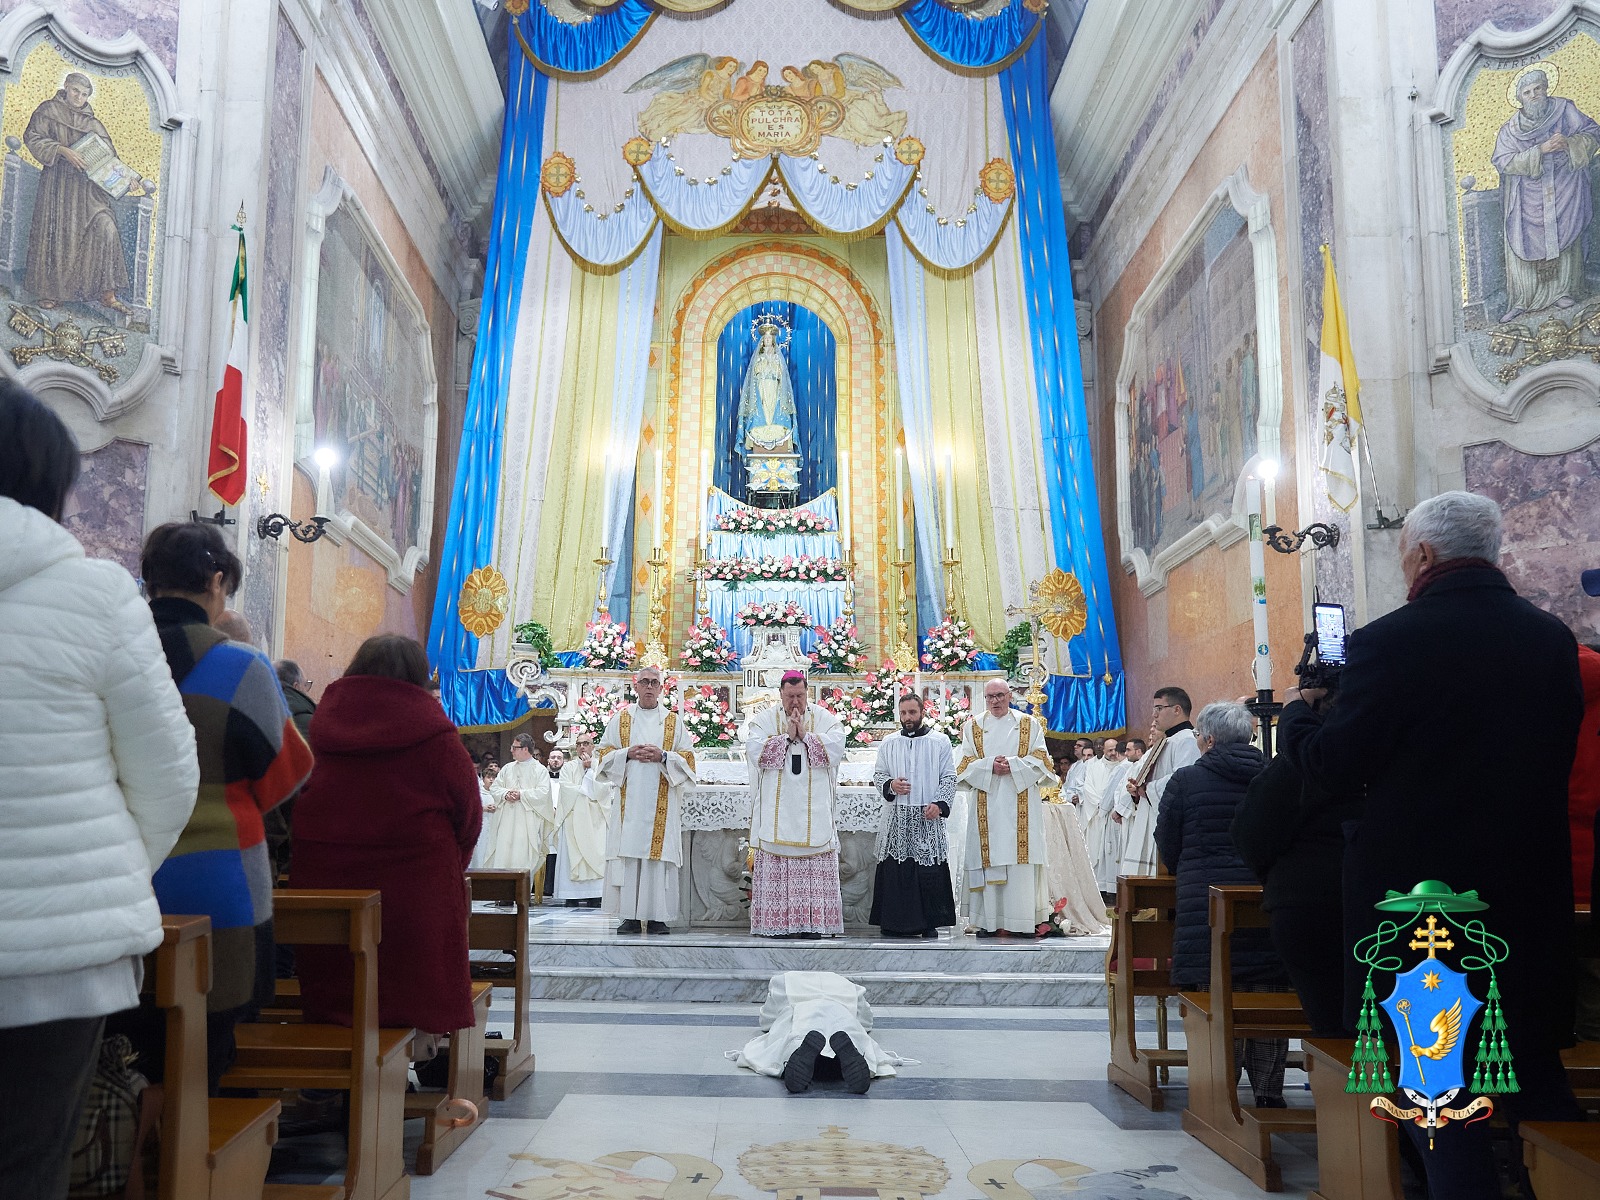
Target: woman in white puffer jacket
98 776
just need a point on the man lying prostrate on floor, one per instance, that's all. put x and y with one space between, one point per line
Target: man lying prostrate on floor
815 1025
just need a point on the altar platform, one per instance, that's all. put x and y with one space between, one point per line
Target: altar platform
576 954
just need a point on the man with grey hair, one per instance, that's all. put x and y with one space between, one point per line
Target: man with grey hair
1427 695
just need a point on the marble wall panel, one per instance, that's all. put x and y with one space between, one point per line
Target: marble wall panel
106 509
155 21
1551 504
272 287
1454 20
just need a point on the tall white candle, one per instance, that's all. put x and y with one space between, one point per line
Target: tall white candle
949 504
660 499
703 528
1258 586
844 500
900 501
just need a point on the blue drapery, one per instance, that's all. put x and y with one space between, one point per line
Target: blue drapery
562 49
811 370
476 698
972 42
1092 699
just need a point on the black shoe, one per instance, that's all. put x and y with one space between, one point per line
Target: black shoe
630 927
987 933
656 927
809 937
930 933
857 1075
802 1065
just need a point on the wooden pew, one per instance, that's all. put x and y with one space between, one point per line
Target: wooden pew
367 1062
1138 1070
1240 1134
1358 1156
1563 1158
506 932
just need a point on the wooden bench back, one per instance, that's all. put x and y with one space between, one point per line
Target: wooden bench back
1135 940
338 917
506 932
178 972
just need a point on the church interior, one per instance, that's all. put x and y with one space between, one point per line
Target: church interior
1021 359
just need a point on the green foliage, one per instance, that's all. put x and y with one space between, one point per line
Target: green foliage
1009 652
531 633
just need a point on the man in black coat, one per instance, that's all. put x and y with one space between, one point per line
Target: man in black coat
1429 692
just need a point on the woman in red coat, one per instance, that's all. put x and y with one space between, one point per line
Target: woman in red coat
392 804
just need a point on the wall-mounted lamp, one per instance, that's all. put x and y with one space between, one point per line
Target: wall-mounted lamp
1322 536
312 528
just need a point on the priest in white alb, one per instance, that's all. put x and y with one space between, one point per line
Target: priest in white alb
794 750
1004 764
916 775
1140 802
581 828
523 817
1101 834
646 754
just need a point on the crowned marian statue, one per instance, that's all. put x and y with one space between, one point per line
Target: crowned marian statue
767 425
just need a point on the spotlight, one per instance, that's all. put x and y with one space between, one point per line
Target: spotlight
326 458
1267 468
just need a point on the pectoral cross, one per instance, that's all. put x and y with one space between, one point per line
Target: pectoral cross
1436 938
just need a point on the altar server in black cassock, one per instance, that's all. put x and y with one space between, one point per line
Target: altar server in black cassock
916 773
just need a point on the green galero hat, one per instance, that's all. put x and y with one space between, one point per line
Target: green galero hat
1431 896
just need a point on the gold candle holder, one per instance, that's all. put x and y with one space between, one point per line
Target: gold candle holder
655 649
905 658
603 562
950 563
847 559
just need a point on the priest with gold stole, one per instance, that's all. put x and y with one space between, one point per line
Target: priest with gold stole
647 754
1004 764
794 750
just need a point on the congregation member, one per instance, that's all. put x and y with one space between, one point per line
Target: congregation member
794 750
581 829
296 695
1192 836
1138 809
98 775
252 759
916 775
234 626
645 753
522 820
1004 766
392 805
1435 774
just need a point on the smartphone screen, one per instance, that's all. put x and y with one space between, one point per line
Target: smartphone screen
1329 620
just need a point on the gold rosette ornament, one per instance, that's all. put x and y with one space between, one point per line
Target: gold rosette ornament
1066 609
558 174
997 180
516 8
485 600
909 150
637 151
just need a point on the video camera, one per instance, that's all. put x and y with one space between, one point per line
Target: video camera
1322 664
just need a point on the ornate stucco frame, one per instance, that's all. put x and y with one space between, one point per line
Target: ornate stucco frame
1220 529
400 563
157 359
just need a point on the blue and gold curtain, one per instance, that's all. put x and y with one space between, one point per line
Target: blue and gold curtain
811 356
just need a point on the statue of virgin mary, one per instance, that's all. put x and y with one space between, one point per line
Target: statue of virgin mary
767 423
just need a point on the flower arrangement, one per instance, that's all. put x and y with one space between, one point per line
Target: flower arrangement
772 614
707 717
949 646
707 648
1057 924
853 712
766 522
596 708
607 646
791 568
949 719
838 647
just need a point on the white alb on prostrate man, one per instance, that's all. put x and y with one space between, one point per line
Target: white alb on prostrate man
1138 806
1003 762
581 828
647 754
794 750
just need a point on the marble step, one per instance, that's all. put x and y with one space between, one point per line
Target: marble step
749 985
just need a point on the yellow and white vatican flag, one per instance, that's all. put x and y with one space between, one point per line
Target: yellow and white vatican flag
1339 387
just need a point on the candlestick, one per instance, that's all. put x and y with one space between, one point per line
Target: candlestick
905 658
1258 587
660 501
604 561
950 563
900 501
655 650
949 504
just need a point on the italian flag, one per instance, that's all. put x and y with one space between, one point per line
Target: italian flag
225 468
1340 390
